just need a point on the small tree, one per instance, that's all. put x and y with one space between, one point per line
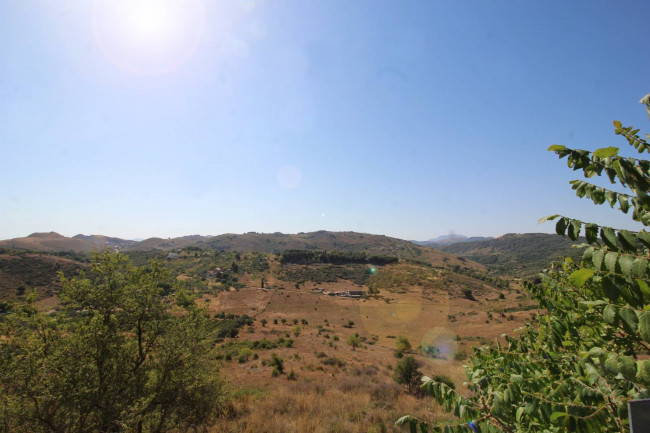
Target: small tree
278 365
354 340
403 344
407 372
264 322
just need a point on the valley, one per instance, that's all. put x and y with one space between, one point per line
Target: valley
282 305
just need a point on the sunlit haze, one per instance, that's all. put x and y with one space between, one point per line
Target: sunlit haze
139 118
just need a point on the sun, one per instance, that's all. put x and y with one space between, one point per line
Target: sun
148 36
148 21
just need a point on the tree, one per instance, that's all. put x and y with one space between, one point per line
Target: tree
118 358
576 365
407 372
354 340
264 322
278 365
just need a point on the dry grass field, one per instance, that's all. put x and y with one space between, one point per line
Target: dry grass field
326 384
340 389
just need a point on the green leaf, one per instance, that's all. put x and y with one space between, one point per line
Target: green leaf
608 236
520 412
644 237
624 203
596 352
591 232
597 258
610 289
610 261
643 286
606 152
644 324
547 218
630 320
626 262
609 315
556 147
617 124
627 367
643 372
574 230
611 363
611 198
627 239
557 415
640 267
560 227
579 278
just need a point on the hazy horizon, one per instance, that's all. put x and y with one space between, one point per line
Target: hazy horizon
147 118
139 238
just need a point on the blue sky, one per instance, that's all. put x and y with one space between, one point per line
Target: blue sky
410 119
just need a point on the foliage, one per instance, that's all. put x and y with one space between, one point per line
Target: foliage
277 363
402 344
576 366
358 274
521 255
407 372
230 325
305 257
354 340
119 359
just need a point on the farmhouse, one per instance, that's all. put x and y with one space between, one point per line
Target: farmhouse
356 294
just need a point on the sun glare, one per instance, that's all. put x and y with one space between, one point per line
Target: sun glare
148 36
149 21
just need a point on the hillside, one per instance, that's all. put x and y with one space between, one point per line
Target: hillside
248 242
152 244
517 254
54 242
20 273
449 240
101 241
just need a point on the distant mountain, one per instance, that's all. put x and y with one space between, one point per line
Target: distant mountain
49 242
449 240
247 242
54 242
517 254
332 241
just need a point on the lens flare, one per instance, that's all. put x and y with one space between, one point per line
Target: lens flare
148 36
439 343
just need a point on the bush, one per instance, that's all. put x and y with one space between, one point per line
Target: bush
277 363
407 373
403 344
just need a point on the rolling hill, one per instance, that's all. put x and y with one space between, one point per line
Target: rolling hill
247 242
517 254
50 242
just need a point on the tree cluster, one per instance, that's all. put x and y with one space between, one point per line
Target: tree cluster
305 257
121 357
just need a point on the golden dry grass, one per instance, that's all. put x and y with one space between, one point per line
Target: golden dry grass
360 395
